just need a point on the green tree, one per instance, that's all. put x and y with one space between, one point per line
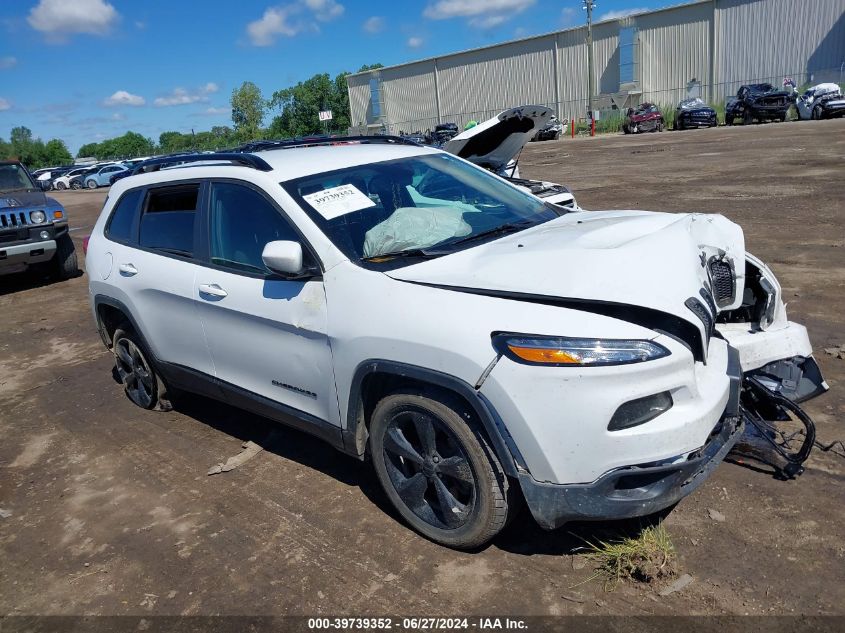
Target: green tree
56 153
88 150
248 109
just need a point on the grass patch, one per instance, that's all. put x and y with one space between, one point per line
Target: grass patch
645 558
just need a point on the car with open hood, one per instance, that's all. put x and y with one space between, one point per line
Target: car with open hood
33 226
823 101
692 113
758 102
476 344
645 117
496 143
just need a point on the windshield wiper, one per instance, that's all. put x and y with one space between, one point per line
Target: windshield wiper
502 229
411 252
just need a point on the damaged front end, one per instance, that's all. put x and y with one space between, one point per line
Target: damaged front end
779 371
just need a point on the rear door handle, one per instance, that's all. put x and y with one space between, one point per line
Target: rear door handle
127 270
213 290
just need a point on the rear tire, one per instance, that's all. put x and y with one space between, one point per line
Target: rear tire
141 382
64 260
437 468
60 186
91 184
76 185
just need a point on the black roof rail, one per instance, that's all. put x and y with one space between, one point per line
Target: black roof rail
260 146
237 158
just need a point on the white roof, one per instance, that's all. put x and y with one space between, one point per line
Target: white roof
303 161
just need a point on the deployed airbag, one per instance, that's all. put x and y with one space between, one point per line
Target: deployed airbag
415 227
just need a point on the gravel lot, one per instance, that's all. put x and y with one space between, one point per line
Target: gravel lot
112 511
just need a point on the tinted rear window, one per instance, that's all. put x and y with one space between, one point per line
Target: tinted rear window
122 219
168 221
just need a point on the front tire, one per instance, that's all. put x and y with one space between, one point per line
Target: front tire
817 113
60 186
747 118
142 384
65 262
76 185
91 184
437 468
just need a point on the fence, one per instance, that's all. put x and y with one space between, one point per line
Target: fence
714 94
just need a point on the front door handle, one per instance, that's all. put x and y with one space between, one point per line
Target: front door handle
213 290
127 270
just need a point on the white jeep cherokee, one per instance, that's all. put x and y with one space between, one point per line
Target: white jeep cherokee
473 341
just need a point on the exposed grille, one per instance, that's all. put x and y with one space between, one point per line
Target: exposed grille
13 219
722 278
704 316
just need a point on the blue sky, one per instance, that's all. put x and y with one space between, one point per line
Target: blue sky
84 70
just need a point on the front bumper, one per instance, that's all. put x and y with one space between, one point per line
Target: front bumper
632 491
12 258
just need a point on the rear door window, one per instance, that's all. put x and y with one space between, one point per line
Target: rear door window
122 222
168 221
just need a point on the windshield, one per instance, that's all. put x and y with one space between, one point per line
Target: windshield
423 206
14 178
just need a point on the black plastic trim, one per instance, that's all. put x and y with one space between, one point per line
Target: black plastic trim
503 444
683 331
632 491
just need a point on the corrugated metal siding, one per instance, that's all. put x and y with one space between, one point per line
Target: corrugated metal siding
479 84
359 100
766 40
408 97
674 48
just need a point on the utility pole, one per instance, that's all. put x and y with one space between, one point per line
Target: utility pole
589 5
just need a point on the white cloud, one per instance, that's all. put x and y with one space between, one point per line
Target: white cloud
415 42
180 96
4 104
117 116
483 14
212 111
291 19
325 10
621 13
8 62
123 98
58 18
374 24
488 22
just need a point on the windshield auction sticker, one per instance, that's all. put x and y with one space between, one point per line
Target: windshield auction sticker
337 201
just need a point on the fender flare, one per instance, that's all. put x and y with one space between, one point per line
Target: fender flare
502 443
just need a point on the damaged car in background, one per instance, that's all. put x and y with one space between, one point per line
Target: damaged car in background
645 117
824 101
551 131
694 113
495 144
758 102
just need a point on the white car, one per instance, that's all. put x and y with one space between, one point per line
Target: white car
63 182
476 343
823 101
495 144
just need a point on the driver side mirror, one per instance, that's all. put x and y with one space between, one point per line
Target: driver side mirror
285 258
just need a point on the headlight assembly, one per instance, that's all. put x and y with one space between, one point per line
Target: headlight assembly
37 217
562 351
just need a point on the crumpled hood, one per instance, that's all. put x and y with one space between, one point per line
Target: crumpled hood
495 142
638 258
24 200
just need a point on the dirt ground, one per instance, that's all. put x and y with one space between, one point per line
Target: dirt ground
107 509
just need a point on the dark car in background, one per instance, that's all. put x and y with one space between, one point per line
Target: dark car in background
758 102
694 113
645 117
444 132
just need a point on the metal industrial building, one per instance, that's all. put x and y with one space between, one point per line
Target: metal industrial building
707 48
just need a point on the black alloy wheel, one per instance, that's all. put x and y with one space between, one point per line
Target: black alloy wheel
438 469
